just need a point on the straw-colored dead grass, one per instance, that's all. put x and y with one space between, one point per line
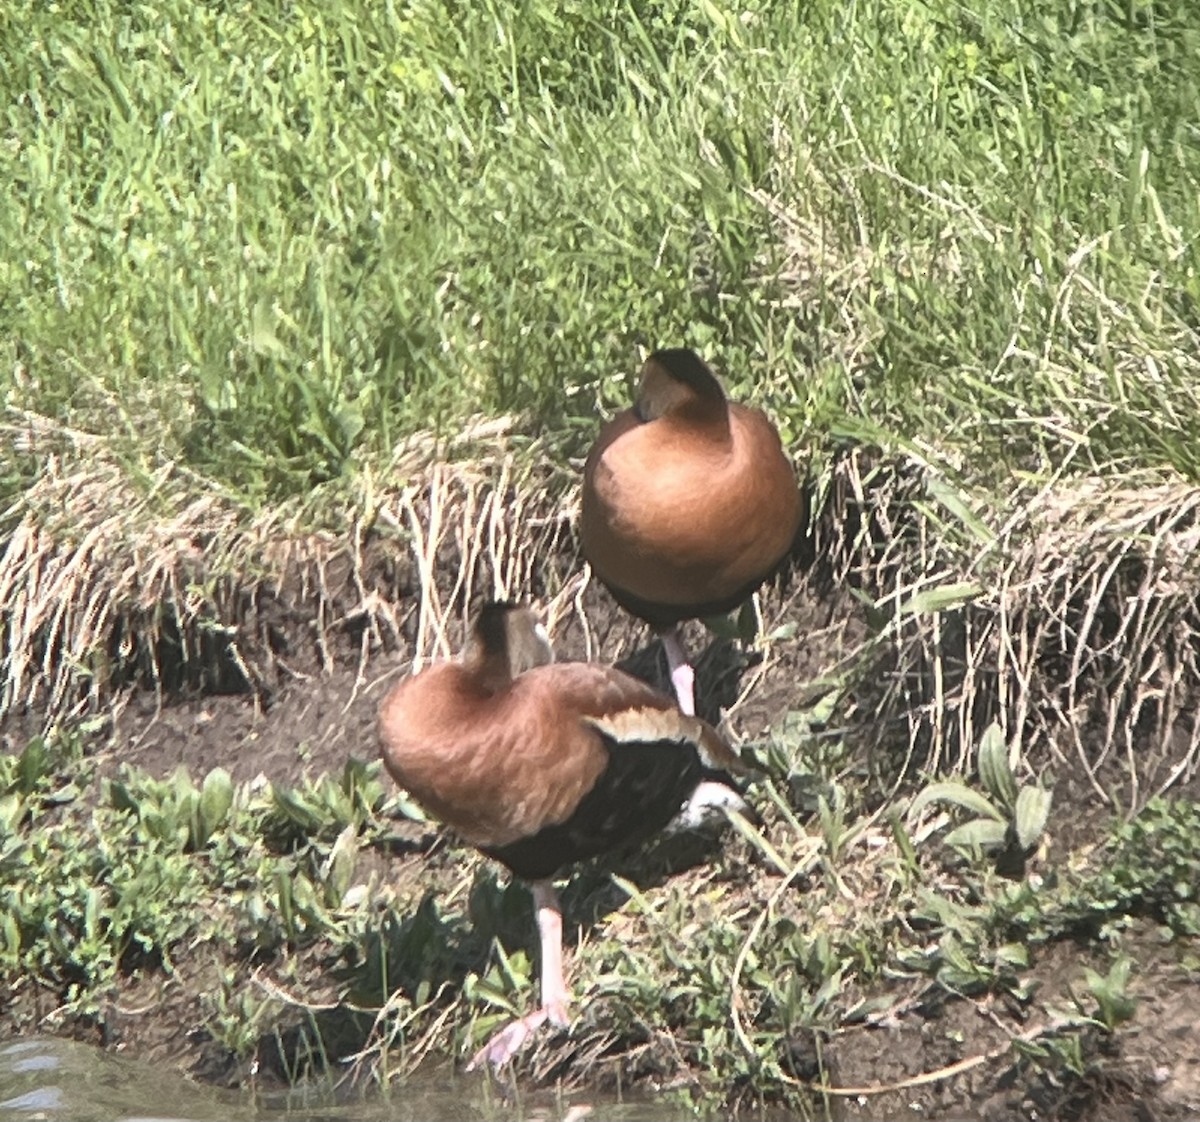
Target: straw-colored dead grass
103 581
1069 612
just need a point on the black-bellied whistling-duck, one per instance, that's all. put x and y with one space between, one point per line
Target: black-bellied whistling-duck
540 765
689 503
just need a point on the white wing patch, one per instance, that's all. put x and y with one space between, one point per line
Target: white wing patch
644 725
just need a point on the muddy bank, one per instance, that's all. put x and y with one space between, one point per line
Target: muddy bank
859 686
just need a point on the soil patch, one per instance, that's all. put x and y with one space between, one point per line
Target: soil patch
1148 1069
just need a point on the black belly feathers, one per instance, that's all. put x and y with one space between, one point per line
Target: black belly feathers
617 759
639 793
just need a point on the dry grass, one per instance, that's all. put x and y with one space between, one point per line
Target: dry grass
102 583
1069 615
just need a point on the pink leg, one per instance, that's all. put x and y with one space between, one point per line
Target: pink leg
550 935
683 678
513 1037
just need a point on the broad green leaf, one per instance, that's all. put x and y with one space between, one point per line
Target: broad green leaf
12 936
513 969
12 809
91 913
981 832
293 804
1111 992
1033 810
304 895
339 869
957 793
994 771
181 783
830 988
339 804
216 797
33 765
263 338
1013 954
485 990
405 807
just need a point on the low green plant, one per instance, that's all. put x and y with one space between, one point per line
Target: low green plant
237 1015
1114 1004
100 882
321 808
122 879
962 952
175 809
1149 867
1010 819
1063 1051
505 990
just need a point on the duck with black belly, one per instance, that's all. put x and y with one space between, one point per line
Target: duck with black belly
689 504
541 765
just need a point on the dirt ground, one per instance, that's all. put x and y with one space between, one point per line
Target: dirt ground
1150 1069
951 1059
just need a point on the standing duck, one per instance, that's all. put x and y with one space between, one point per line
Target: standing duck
540 765
689 503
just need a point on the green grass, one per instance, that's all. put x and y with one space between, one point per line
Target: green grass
266 242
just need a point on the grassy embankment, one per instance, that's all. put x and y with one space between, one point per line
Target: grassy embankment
261 267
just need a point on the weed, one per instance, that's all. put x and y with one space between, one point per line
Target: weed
263 885
164 864
236 1015
1146 868
1111 991
1010 823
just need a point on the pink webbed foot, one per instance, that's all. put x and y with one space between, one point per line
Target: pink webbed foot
516 1034
513 1037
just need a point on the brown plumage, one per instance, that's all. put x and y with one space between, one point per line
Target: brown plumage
689 503
541 765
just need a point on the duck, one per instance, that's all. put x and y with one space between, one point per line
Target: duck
688 504
541 764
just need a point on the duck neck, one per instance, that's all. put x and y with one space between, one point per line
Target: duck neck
490 668
700 418
495 677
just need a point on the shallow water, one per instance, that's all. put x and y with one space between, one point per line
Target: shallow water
48 1080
